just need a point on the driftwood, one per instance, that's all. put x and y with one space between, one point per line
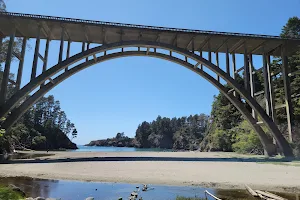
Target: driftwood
252 192
269 195
213 196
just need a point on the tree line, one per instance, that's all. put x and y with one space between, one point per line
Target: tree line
177 133
44 126
229 131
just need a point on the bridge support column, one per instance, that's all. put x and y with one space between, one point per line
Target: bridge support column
36 54
201 65
61 48
266 75
218 65
234 69
287 91
227 60
246 69
68 52
271 90
87 48
252 82
46 57
6 72
21 64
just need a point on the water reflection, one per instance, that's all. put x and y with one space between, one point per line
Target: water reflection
70 190
14 156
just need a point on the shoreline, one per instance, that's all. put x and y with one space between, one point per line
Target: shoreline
210 185
202 169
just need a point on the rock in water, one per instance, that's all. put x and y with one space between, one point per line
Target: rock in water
90 198
134 194
17 189
39 198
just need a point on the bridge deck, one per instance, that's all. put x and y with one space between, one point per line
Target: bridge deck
79 30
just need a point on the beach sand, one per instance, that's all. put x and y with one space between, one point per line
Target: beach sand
217 170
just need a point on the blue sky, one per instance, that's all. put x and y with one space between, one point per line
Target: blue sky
117 95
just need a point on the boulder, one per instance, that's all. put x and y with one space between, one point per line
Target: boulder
90 198
29 198
17 189
39 198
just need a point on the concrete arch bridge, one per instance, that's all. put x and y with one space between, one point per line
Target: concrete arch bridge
182 46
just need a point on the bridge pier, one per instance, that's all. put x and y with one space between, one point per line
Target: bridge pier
287 91
36 53
5 79
21 64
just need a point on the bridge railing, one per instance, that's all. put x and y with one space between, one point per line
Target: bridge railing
34 16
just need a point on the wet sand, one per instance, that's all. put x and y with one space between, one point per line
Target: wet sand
217 170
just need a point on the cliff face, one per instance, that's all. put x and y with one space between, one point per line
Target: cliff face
122 142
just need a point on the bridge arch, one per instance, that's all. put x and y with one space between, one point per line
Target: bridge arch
16 106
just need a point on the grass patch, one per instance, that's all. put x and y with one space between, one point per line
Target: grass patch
7 193
189 198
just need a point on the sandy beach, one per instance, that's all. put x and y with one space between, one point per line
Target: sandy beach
218 170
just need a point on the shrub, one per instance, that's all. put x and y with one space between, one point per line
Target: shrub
39 142
246 140
7 193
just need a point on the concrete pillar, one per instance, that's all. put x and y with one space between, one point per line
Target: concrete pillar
201 66
234 69
246 69
87 48
68 52
271 90
21 64
287 92
36 54
227 61
218 64
46 57
267 85
252 81
61 49
6 72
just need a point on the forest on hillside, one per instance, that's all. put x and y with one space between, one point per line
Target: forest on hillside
44 126
229 131
226 129
183 133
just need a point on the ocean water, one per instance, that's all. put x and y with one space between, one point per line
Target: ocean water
82 148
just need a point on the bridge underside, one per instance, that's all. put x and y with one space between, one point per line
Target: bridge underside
181 46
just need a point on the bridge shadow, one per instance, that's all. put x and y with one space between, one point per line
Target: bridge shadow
167 159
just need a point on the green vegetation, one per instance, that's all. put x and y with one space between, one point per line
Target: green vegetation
177 133
8 193
43 126
230 132
184 133
119 141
